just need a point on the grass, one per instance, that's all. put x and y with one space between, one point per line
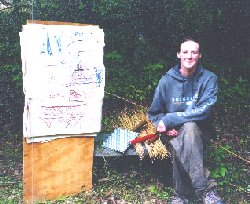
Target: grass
126 180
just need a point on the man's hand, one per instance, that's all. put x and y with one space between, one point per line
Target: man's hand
172 133
161 128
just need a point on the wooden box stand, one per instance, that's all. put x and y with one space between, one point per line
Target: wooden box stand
61 167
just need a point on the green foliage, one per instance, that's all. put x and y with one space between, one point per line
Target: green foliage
219 156
117 73
234 98
163 194
227 170
152 74
125 81
231 91
11 98
13 70
114 57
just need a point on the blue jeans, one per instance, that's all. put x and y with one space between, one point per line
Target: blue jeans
189 147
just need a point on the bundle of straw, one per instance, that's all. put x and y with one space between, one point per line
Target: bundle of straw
129 120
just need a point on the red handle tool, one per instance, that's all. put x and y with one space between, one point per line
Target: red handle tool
150 137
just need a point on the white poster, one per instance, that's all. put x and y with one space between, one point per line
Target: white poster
63 79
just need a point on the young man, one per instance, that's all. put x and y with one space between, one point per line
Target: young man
181 107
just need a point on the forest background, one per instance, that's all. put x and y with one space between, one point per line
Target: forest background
141 41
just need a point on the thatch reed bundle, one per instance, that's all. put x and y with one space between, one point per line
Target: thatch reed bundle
137 121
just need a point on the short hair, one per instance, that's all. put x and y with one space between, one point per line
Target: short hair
187 38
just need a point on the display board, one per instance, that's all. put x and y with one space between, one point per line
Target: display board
63 79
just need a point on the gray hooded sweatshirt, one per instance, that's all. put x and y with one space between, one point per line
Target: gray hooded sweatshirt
179 99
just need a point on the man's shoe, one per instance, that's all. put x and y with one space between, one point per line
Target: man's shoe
178 200
211 197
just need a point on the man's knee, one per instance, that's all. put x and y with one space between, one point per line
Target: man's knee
191 130
190 126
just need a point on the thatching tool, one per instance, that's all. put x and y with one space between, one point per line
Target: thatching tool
152 137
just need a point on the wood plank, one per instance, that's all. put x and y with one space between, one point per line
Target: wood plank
55 23
57 168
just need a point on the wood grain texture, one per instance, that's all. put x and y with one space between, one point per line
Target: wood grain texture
57 168
55 23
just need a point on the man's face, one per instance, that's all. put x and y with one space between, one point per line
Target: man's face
189 55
